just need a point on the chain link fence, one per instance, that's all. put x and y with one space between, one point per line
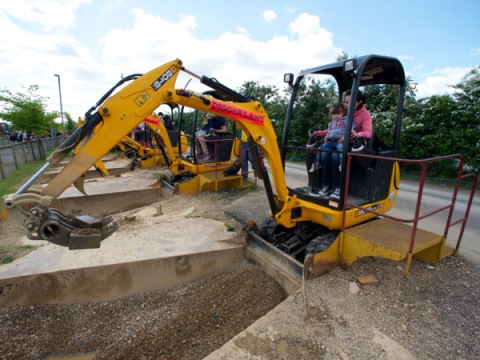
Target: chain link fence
15 155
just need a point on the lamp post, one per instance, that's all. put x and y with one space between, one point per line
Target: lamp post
61 105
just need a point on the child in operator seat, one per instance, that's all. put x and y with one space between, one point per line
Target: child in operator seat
330 161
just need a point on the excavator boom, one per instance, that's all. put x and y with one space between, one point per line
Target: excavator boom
105 125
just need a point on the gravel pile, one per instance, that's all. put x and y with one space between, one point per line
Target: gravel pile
434 313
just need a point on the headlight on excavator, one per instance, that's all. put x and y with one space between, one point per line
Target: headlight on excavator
350 65
288 78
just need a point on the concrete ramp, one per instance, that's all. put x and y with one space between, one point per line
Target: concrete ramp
112 281
114 165
112 194
151 251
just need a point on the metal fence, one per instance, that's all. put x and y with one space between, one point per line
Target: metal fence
15 155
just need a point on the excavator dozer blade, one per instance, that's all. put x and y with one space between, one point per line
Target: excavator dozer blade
167 189
284 269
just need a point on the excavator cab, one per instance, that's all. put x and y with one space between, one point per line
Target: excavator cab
311 223
370 180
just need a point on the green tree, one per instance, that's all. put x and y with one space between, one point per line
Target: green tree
275 105
466 118
26 111
443 125
382 103
70 125
312 109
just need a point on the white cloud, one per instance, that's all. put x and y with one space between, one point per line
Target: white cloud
405 57
32 57
241 30
305 24
439 82
232 58
49 14
269 15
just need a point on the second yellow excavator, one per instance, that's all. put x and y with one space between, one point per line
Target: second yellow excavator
176 151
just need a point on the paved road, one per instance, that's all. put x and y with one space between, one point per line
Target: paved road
434 196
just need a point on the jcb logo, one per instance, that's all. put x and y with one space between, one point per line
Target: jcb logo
164 78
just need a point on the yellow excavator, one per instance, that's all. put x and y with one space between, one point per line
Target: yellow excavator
314 232
172 148
150 153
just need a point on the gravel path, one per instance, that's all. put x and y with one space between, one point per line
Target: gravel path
434 313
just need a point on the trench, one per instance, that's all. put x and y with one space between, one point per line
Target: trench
169 307
189 320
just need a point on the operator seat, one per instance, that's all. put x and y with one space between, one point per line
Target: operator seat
220 148
370 178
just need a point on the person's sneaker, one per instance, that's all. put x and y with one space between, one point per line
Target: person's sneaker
340 168
335 194
206 158
324 191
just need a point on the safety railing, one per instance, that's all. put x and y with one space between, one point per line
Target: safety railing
220 157
417 216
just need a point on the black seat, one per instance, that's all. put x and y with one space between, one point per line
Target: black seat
370 178
223 145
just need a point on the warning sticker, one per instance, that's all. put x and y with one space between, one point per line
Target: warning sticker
142 99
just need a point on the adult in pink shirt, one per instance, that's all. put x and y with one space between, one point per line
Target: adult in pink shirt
361 117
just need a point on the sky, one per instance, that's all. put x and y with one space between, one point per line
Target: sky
91 44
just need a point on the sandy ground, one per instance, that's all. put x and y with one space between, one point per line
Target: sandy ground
432 314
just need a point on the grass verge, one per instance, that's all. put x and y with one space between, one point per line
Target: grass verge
10 252
16 178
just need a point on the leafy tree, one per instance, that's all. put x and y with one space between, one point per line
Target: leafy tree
466 119
70 125
312 109
262 93
442 125
268 95
26 111
382 103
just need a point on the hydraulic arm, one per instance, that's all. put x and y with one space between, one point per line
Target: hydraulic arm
113 117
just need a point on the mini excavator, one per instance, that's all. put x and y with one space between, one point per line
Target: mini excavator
151 153
314 232
171 149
